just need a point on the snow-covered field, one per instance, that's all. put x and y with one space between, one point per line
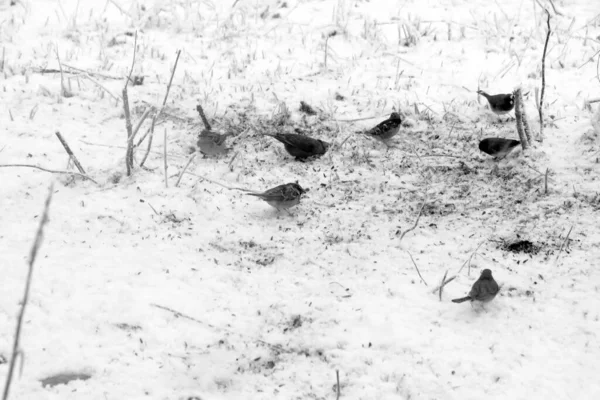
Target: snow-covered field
202 292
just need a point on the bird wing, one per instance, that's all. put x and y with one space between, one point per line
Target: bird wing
384 127
279 193
304 143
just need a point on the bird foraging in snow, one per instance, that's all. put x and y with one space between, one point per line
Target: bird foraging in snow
498 147
499 103
301 146
386 129
484 289
212 143
282 197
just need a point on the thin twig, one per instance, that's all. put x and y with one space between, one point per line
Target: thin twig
417 268
446 282
563 243
87 76
185 168
546 182
160 110
443 284
416 222
338 390
469 260
39 235
49 170
133 59
520 117
230 165
541 105
128 126
217 183
129 130
178 314
165 158
139 125
69 152
149 140
63 92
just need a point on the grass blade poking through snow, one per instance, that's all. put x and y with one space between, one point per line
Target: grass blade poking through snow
32 256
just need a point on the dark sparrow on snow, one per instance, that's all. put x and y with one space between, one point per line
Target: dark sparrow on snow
484 289
301 146
498 147
386 129
211 143
282 197
499 103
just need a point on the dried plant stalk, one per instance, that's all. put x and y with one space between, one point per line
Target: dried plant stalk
32 256
520 115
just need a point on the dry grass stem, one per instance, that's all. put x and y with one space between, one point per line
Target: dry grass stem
337 387
185 168
415 224
70 152
417 268
39 235
165 158
178 314
564 243
521 116
541 104
49 170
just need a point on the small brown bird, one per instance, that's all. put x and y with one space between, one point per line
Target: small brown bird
498 147
211 143
301 146
282 197
499 103
386 129
484 289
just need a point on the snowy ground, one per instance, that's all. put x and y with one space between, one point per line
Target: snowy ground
277 302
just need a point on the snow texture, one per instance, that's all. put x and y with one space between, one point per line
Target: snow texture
199 291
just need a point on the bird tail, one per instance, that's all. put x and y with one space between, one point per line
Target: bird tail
484 94
462 299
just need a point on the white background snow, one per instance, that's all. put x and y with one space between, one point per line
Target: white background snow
283 301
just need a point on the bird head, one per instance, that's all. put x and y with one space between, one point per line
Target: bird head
395 116
297 187
486 274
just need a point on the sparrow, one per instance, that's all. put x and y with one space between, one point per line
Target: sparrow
500 103
301 146
282 197
386 129
212 143
498 147
484 289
